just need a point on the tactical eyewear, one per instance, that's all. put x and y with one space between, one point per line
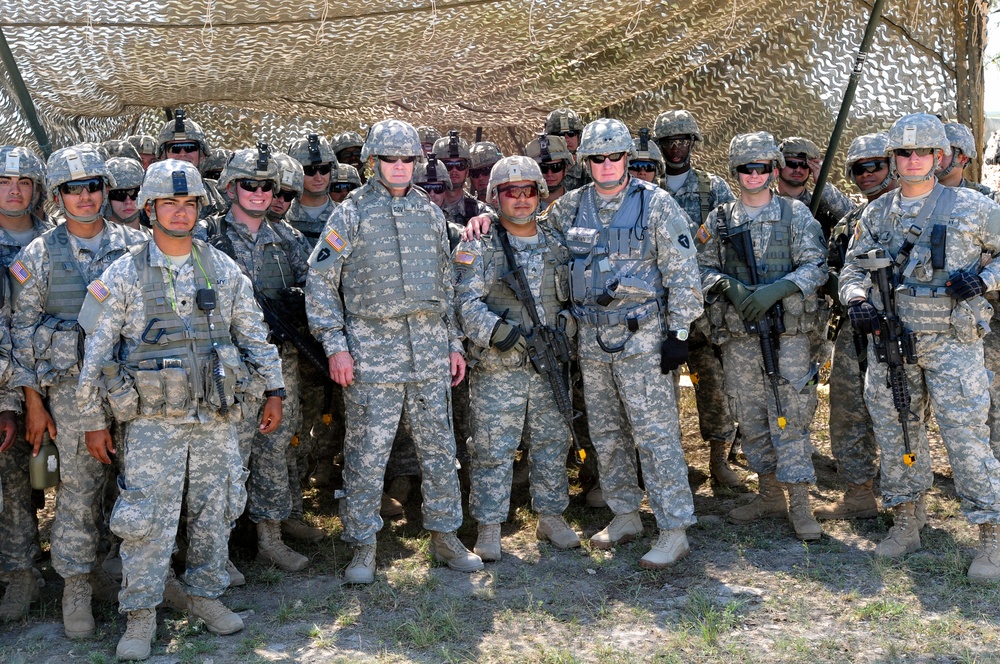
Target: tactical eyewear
254 185
351 155
287 195
213 174
433 187
392 160
756 168
480 172
343 187
642 167
121 194
667 143
599 158
187 147
796 164
552 167
519 191
868 166
572 133
920 152
455 164
76 187
313 169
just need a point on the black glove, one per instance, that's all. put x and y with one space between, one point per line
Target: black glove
506 336
963 285
673 353
864 316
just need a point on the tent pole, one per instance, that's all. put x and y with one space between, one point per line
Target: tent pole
23 96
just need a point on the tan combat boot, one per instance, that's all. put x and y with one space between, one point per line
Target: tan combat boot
859 502
904 536
78 618
768 503
362 566
390 507
270 548
595 498
671 546
217 616
174 595
986 565
300 530
236 577
22 590
718 465
137 642
920 511
447 548
800 514
488 543
553 527
623 528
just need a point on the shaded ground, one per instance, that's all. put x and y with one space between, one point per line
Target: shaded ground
745 594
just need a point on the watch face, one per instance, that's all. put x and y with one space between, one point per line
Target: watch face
682 335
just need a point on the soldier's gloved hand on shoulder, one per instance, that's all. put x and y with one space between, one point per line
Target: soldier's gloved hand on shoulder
755 307
507 337
863 315
734 290
673 352
963 285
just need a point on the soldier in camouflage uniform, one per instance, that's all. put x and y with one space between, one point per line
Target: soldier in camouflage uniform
428 135
482 156
774 412
940 301
176 346
554 160
699 192
121 148
508 394
647 162
145 145
393 343
182 138
345 180
453 153
22 183
216 161
963 150
566 122
347 148
802 161
271 256
852 440
123 207
48 283
310 213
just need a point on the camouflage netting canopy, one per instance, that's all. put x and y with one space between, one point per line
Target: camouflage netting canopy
99 69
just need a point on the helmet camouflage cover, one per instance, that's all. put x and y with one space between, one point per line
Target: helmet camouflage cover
676 123
562 120
78 162
127 173
18 162
961 137
515 168
168 179
755 147
431 170
251 164
312 149
451 146
392 138
866 146
647 150
143 143
918 130
797 145
345 173
290 172
484 154
217 159
548 148
120 147
349 139
428 134
181 128
605 136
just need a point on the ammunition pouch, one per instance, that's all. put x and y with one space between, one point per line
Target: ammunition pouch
58 348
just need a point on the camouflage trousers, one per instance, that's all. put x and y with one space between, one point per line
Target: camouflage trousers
991 350
318 441
373 413
505 404
852 439
715 420
270 486
82 480
18 523
159 456
950 374
630 392
769 448
403 457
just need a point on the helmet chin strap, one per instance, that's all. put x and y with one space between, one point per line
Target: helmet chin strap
911 179
14 214
167 231
124 220
794 183
519 221
757 190
943 173
89 219
879 188
377 167
607 185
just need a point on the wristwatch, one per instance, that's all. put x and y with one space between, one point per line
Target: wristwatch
280 392
680 335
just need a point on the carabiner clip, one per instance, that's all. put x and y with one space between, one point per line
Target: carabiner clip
159 333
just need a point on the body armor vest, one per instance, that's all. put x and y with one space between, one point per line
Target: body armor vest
777 259
394 269
501 298
67 285
274 274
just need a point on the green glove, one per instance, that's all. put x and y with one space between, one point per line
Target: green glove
734 289
507 337
755 307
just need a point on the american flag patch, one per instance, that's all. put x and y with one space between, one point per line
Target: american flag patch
335 240
464 258
98 290
20 272
703 234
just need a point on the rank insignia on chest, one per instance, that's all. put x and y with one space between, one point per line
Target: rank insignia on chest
335 241
703 235
20 272
98 290
464 258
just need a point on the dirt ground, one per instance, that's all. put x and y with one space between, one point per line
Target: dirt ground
745 594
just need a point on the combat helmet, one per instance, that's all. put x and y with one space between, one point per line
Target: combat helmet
755 147
180 129
562 120
170 178
428 135
75 163
515 168
311 150
17 162
251 164
960 137
216 161
348 139
452 146
431 171
646 150
120 147
390 138
867 146
484 154
127 174
548 148
290 172
143 144
676 123
916 130
345 173
799 146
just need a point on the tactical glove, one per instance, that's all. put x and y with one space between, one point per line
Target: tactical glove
506 337
963 285
755 307
864 316
734 290
673 353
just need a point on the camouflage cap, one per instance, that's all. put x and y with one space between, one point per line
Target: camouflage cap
562 120
290 172
428 134
866 146
349 139
126 172
79 162
605 136
251 164
431 170
143 144
346 173
484 154
171 178
180 129
797 145
312 149
918 130
961 137
555 149
119 147
392 138
646 149
451 146
758 146
515 168
18 162
676 123
217 159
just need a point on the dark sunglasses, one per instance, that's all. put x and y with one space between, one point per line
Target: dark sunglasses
573 133
480 172
287 195
187 147
76 187
254 185
519 191
869 166
313 169
456 164
213 175
553 167
796 164
642 167
667 143
121 194
343 187
599 158
392 160
757 168
920 152
433 187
